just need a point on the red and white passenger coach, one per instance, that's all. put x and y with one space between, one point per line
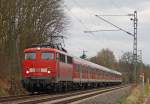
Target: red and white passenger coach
46 69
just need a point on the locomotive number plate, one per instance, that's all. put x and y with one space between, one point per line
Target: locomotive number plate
38 70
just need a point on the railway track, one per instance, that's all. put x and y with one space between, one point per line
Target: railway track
62 98
14 98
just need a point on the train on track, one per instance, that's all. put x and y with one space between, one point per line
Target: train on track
46 68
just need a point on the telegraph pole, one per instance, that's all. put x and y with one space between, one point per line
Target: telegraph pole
135 21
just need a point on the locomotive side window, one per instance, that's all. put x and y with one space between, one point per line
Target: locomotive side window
69 60
30 56
62 58
57 56
47 56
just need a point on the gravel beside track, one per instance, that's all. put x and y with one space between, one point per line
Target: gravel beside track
111 97
61 96
28 98
75 99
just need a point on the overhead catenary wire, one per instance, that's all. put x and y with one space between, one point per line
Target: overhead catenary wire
114 25
91 32
100 30
79 20
91 14
116 15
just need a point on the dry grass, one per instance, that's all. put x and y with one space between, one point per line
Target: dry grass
4 86
147 94
134 98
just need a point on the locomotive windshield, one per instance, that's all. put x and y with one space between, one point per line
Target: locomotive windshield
30 56
47 56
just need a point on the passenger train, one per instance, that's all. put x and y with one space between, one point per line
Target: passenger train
47 69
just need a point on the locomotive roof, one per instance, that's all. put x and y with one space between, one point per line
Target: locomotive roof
38 48
78 60
88 63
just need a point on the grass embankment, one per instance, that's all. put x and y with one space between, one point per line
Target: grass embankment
135 97
3 87
147 94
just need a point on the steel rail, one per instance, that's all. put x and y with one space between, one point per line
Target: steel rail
28 96
34 99
55 98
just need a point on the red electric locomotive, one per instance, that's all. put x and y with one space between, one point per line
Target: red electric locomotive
46 68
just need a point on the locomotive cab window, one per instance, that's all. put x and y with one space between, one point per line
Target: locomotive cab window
47 56
30 56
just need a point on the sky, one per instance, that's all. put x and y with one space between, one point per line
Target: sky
81 17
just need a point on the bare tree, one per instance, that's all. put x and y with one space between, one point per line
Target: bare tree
25 22
106 58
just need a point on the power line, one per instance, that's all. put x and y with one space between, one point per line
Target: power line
87 30
115 15
86 11
99 30
105 20
113 25
79 20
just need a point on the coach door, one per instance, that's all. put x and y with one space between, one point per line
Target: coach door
80 71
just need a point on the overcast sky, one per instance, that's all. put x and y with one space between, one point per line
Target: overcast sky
81 16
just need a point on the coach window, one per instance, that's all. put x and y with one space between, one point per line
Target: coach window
62 58
47 55
30 56
69 60
78 67
90 72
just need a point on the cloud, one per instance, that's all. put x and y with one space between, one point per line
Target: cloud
82 16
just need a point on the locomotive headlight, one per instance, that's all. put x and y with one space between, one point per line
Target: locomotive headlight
27 72
48 72
38 48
